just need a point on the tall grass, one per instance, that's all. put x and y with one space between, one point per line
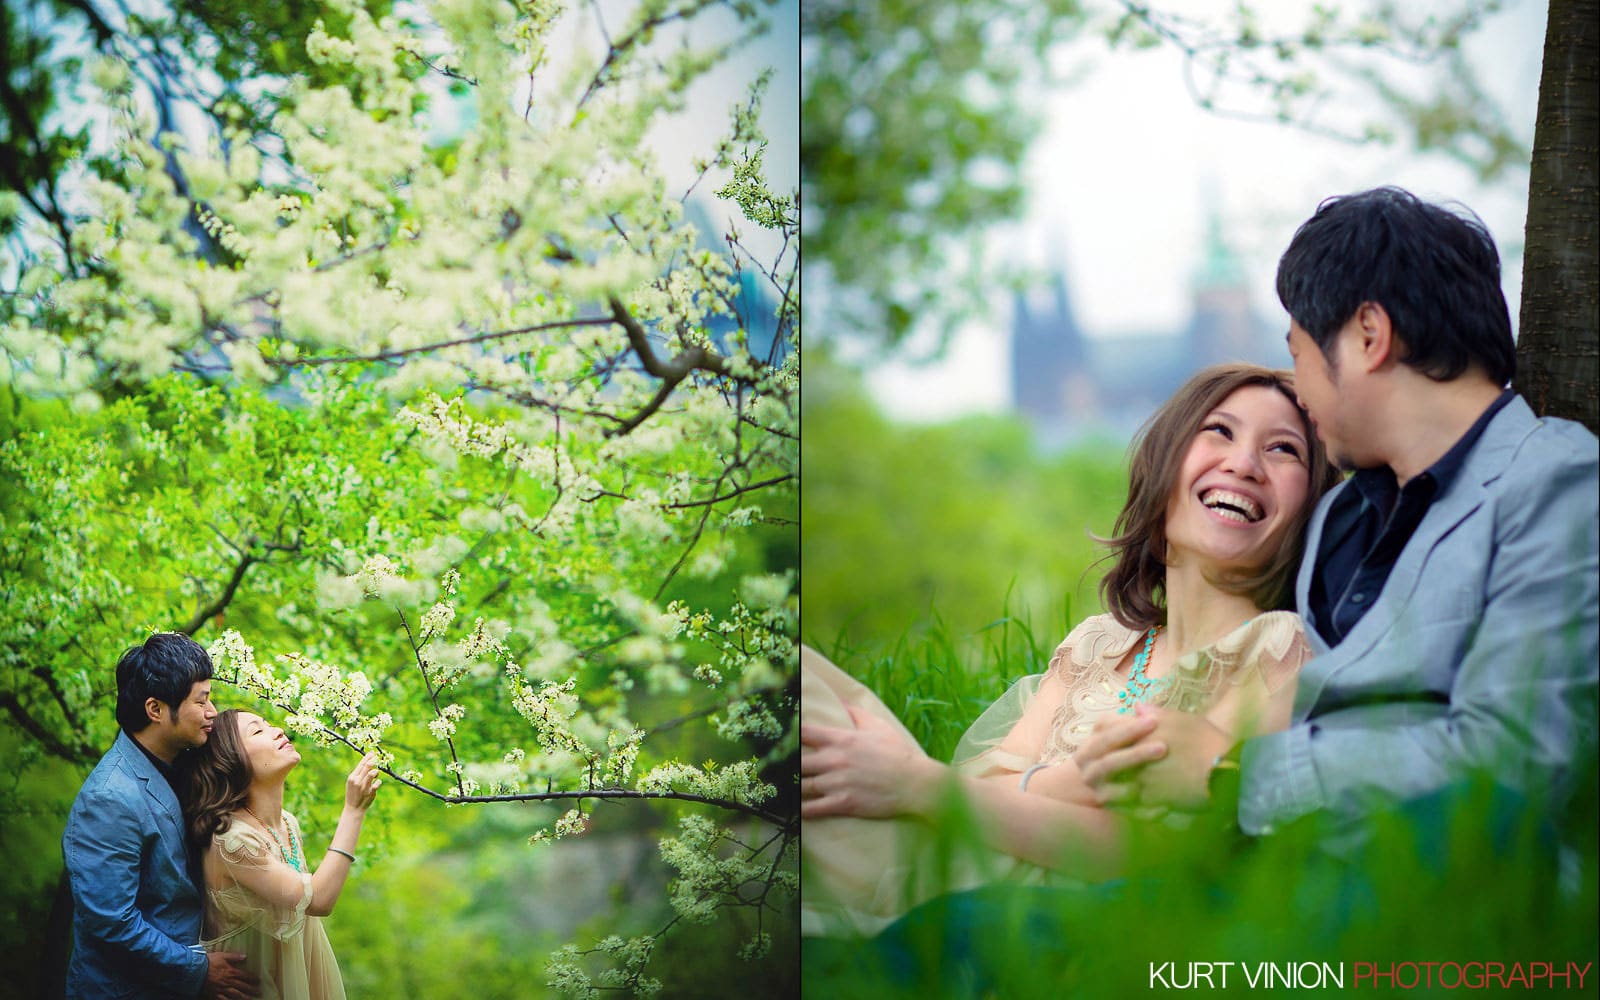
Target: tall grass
937 680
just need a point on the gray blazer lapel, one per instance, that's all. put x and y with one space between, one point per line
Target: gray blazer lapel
1308 566
1484 464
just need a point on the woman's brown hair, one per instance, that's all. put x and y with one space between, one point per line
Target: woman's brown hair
1134 590
215 778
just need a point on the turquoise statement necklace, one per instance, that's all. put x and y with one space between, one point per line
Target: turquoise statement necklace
1141 688
292 856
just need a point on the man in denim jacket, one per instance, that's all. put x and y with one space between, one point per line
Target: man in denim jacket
136 909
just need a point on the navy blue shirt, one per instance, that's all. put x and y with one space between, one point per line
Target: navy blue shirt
1367 528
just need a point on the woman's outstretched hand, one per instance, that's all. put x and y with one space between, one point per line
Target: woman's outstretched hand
868 771
362 785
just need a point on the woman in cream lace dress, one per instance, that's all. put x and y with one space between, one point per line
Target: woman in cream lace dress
1222 482
263 897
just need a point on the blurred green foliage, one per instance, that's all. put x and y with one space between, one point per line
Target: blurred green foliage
917 121
965 516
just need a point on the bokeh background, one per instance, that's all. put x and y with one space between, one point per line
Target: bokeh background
1075 218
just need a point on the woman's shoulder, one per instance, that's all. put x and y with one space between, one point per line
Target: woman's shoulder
1271 633
1271 645
1096 639
240 837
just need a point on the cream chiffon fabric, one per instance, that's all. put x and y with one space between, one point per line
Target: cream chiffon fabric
284 946
859 875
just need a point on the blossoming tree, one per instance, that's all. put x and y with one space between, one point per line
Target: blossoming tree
439 420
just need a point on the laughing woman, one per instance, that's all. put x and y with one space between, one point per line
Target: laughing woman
263 898
1222 482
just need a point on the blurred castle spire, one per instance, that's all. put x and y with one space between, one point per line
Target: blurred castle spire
1068 384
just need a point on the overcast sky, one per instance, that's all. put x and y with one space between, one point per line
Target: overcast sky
705 117
1128 168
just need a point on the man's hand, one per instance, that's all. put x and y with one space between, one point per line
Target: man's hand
228 979
868 771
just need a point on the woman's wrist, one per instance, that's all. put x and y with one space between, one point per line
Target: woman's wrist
925 784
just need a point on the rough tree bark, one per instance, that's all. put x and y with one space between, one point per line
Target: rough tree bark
1558 347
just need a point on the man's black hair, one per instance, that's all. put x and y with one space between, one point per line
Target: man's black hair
165 667
1435 272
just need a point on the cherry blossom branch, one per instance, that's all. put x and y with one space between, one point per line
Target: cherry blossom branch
615 52
733 805
433 696
692 358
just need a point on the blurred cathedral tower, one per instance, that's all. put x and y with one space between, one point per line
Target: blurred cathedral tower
1222 327
1068 385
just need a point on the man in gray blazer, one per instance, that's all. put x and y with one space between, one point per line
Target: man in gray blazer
136 909
1451 585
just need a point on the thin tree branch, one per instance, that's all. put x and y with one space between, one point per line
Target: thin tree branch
74 753
204 614
481 338
738 491
433 696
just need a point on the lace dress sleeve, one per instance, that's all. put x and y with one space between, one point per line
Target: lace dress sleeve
1025 725
273 895
1261 666
1003 738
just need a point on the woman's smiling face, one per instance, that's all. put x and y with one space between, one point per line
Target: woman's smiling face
1243 479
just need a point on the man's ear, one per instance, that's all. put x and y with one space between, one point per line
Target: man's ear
1377 346
153 707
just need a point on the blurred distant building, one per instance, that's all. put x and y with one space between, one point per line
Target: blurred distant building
753 300
1069 386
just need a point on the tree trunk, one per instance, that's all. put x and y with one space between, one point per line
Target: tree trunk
1558 347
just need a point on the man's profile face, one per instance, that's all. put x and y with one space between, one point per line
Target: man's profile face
190 725
1316 385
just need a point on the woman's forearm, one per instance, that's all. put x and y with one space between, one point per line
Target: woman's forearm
1045 830
1061 781
329 878
1038 828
